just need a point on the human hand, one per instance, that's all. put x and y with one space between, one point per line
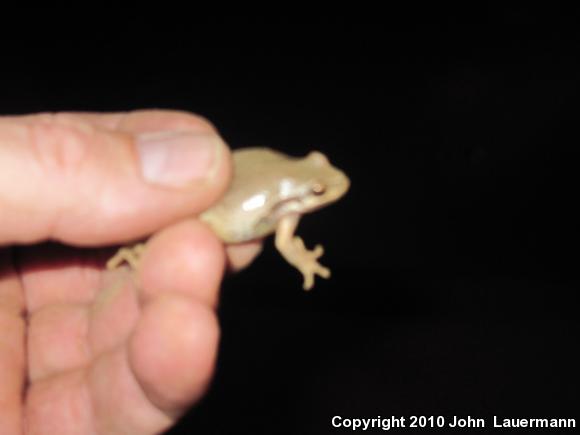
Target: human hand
82 349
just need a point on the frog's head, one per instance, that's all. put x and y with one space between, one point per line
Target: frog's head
321 182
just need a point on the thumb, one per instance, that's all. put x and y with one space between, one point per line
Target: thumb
93 179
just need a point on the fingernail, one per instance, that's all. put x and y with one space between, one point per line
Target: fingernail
178 158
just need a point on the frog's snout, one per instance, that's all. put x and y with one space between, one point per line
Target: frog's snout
339 185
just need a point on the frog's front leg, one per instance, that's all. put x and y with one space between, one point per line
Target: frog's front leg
293 250
128 254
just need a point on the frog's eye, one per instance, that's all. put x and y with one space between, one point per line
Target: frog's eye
319 158
318 188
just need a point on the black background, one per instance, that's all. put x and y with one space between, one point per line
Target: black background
455 253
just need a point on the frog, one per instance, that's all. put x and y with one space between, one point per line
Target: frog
269 193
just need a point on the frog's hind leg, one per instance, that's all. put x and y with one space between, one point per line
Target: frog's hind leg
293 250
130 255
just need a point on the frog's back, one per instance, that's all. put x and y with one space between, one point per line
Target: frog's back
253 180
255 163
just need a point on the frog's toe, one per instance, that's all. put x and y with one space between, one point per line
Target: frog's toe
308 281
309 272
318 251
323 272
129 255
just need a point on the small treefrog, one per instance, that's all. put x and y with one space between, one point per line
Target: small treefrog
268 194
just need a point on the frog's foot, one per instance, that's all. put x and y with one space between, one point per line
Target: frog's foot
130 255
306 262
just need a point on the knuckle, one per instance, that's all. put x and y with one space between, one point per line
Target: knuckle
60 143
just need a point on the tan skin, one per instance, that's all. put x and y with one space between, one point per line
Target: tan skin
83 349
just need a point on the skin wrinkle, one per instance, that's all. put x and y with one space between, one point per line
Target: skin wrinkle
65 153
15 310
89 399
65 397
59 148
111 303
50 156
23 315
9 267
82 267
82 340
